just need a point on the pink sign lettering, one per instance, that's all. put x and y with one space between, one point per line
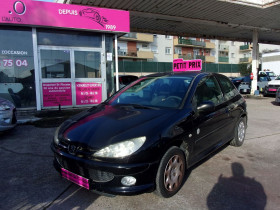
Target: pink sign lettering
37 13
58 93
189 65
88 93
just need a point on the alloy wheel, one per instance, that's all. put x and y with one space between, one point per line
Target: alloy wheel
174 173
241 131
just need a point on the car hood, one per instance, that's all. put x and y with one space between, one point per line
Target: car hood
111 124
274 82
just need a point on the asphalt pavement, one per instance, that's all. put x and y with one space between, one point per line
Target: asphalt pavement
244 177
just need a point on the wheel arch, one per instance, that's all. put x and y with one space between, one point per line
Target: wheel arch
181 144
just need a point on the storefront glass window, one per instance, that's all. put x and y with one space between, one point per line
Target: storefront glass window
87 64
55 63
69 38
17 81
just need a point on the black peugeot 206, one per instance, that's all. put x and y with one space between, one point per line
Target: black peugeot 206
149 133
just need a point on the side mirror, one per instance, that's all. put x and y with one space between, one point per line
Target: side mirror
206 107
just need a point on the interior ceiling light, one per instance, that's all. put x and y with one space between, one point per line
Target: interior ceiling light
255 3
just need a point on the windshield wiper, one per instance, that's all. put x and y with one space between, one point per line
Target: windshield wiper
139 106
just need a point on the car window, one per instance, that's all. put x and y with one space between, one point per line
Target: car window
271 74
227 87
127 80
165 92
208 89
264 79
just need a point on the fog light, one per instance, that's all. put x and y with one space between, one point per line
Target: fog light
128 180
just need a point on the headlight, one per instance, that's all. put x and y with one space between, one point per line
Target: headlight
121 149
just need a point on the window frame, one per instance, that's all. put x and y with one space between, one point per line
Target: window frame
169 50
235 91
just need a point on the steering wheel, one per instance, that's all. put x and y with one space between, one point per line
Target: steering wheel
175 98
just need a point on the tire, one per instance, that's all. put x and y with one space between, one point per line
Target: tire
171 172
239 133
265 93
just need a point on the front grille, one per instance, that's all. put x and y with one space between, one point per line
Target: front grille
82 151
274 86
100 176
93 174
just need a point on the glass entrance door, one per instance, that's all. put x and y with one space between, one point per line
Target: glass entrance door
88 77
71 76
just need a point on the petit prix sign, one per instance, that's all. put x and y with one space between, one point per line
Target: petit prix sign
187 65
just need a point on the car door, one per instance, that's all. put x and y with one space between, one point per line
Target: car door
262 82
233 102
209 128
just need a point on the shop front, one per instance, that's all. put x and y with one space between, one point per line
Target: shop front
56 55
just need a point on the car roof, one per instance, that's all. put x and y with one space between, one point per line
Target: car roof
127 76
179 74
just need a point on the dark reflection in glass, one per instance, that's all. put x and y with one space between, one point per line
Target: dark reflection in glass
87 64
69 38
55 64
17 81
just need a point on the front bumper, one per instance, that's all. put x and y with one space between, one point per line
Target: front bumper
6 120
105 178
272 89
244 88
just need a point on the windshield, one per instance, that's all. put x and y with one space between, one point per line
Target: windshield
158 92
277 78
271 74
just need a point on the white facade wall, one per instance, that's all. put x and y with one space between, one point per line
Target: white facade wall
160 43
273 64
216 51
234 52
268 47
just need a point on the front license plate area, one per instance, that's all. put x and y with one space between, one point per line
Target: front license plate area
79 180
